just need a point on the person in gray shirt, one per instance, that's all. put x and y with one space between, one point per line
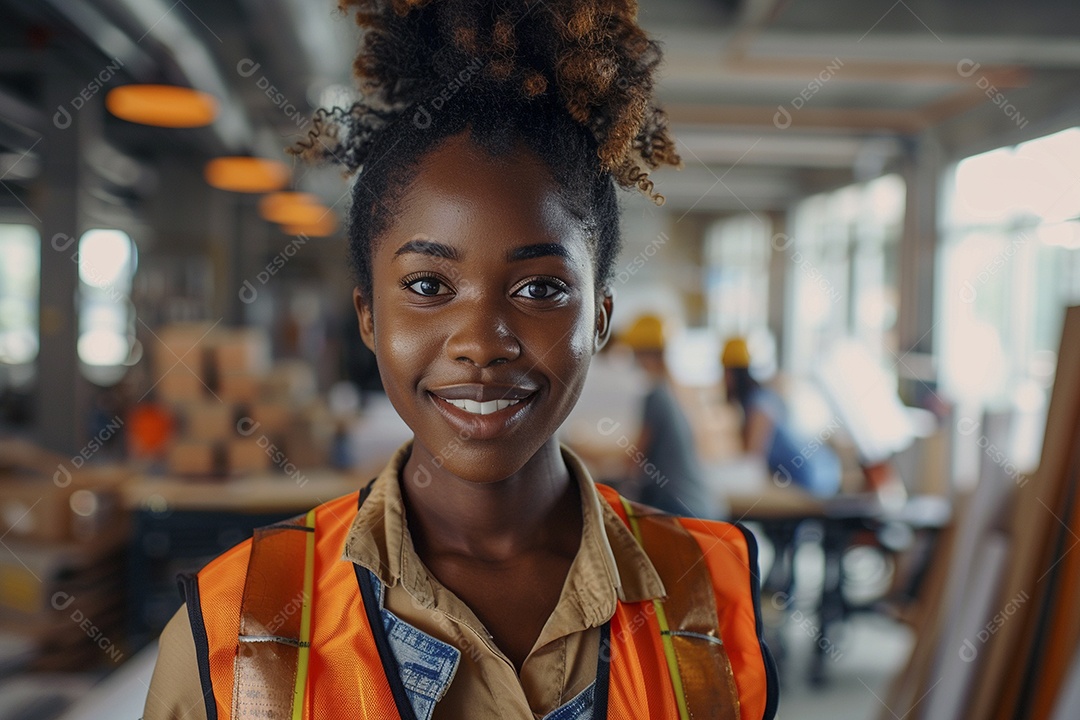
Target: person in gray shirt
667 466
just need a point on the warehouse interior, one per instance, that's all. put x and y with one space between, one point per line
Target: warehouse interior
882 198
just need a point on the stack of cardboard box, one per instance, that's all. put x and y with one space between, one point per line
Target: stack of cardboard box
63 536
237 412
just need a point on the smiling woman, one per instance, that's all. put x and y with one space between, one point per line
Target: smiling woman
478 306
482 573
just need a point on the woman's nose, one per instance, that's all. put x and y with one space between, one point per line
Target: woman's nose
481 336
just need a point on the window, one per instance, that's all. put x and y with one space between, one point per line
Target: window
20 249
842 269
1010 264
107 261
737 254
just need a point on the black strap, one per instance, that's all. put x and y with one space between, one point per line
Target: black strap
364 492
772 683
189 590
378 631
382 643
603 673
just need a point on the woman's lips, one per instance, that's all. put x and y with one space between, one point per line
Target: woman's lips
481 419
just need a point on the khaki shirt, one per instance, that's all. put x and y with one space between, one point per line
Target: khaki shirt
609 566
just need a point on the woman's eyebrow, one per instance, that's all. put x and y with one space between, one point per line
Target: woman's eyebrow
528 252
428 247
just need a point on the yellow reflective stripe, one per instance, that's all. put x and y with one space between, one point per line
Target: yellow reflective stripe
305 621
672 662
661 619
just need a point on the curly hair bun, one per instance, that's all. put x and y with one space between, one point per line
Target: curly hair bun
588 56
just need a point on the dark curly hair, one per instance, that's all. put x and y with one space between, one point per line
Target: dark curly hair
571 80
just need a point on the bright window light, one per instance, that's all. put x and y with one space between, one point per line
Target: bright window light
106 259
1009 263
20 270
1035 180
103 347
841 264
1053 187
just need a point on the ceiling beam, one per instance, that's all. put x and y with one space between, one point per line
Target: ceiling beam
890 72
791 149
682 44
843 121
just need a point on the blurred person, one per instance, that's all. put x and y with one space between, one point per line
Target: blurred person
767 431
664 462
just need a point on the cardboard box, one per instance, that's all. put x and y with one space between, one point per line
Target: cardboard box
245 455
194 457
241 351
72 504
25 599
179 385
240 388
208 420
184 342
37 579
270 418
291 381
307 441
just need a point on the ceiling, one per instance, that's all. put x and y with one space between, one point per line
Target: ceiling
770 99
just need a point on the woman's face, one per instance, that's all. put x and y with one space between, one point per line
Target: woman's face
484 313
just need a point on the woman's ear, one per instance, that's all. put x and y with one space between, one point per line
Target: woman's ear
365 318
603 319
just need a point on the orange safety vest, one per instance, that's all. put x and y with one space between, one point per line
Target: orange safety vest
282 628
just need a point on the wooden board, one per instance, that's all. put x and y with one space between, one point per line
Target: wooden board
1059 637
906 689
944 601
965 638
1035 535
1069 699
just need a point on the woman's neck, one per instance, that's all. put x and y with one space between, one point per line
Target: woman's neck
535 509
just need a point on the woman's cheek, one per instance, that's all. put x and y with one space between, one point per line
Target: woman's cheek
405 346
581 338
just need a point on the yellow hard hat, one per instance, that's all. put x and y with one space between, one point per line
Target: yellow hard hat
647 333
736 353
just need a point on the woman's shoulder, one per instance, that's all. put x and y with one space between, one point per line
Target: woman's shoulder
229 568
175 688
709 534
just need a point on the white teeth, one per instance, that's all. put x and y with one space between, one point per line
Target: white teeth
482 408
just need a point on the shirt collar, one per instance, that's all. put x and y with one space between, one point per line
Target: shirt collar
610 563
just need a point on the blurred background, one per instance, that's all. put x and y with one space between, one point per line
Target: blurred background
855 296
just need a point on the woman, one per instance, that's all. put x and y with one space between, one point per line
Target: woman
804 461
482 574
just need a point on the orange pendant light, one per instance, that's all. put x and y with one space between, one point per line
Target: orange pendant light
246 174
292 208
162 105
323 228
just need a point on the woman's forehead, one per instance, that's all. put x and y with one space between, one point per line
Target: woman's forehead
461 195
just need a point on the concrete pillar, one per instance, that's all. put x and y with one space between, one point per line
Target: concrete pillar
778 276
922 168
62 395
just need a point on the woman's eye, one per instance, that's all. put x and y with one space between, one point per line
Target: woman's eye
428 287
540 290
